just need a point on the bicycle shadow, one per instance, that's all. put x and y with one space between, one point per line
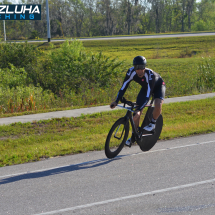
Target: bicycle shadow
59 170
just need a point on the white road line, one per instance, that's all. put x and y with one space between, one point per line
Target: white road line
105 159
129 197
178 147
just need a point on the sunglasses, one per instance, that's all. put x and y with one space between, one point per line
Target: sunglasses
136 67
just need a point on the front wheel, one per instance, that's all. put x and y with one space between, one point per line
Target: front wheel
116 138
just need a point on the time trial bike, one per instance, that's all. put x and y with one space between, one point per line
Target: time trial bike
118 134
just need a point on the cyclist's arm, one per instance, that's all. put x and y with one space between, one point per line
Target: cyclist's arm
128 78
150 79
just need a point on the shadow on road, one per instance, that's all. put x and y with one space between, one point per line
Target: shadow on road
59 170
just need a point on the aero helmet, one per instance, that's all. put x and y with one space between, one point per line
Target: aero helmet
139 62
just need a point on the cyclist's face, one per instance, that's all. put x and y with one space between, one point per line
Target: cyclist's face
140 72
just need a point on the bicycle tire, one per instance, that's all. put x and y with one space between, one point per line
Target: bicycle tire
147 142
116 138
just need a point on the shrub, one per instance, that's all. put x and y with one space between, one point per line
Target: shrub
70 67
34 34
18 54
12 77
206 75
21 55
200 26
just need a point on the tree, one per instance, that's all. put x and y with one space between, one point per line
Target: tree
189 10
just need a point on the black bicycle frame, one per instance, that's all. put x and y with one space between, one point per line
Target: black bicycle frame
129 116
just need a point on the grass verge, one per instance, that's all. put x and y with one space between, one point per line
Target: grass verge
27 142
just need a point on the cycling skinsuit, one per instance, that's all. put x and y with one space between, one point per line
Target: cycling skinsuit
151 82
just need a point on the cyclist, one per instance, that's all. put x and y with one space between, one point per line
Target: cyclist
151 82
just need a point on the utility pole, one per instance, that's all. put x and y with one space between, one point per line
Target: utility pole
48 22
4 31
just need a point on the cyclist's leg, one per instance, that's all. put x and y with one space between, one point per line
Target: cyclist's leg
158 108
136 116
159 94
140 102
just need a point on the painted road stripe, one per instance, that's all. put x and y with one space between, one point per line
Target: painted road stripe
105 159
129 197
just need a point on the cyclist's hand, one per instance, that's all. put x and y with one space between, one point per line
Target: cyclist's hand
113 105
136 110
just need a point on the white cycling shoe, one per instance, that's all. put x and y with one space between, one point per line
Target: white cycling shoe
150 127
129 142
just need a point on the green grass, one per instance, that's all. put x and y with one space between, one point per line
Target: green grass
175 59
20 143
159 48
179 47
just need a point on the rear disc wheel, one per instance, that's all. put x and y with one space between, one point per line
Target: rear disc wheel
147 142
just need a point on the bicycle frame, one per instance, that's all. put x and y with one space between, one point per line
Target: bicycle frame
120 130
129 117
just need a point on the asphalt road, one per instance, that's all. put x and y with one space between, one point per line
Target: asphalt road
90 110
132 37
176 177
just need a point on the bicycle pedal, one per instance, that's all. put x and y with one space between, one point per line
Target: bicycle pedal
152 132
128 145
147 132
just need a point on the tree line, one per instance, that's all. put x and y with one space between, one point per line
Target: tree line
87 18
